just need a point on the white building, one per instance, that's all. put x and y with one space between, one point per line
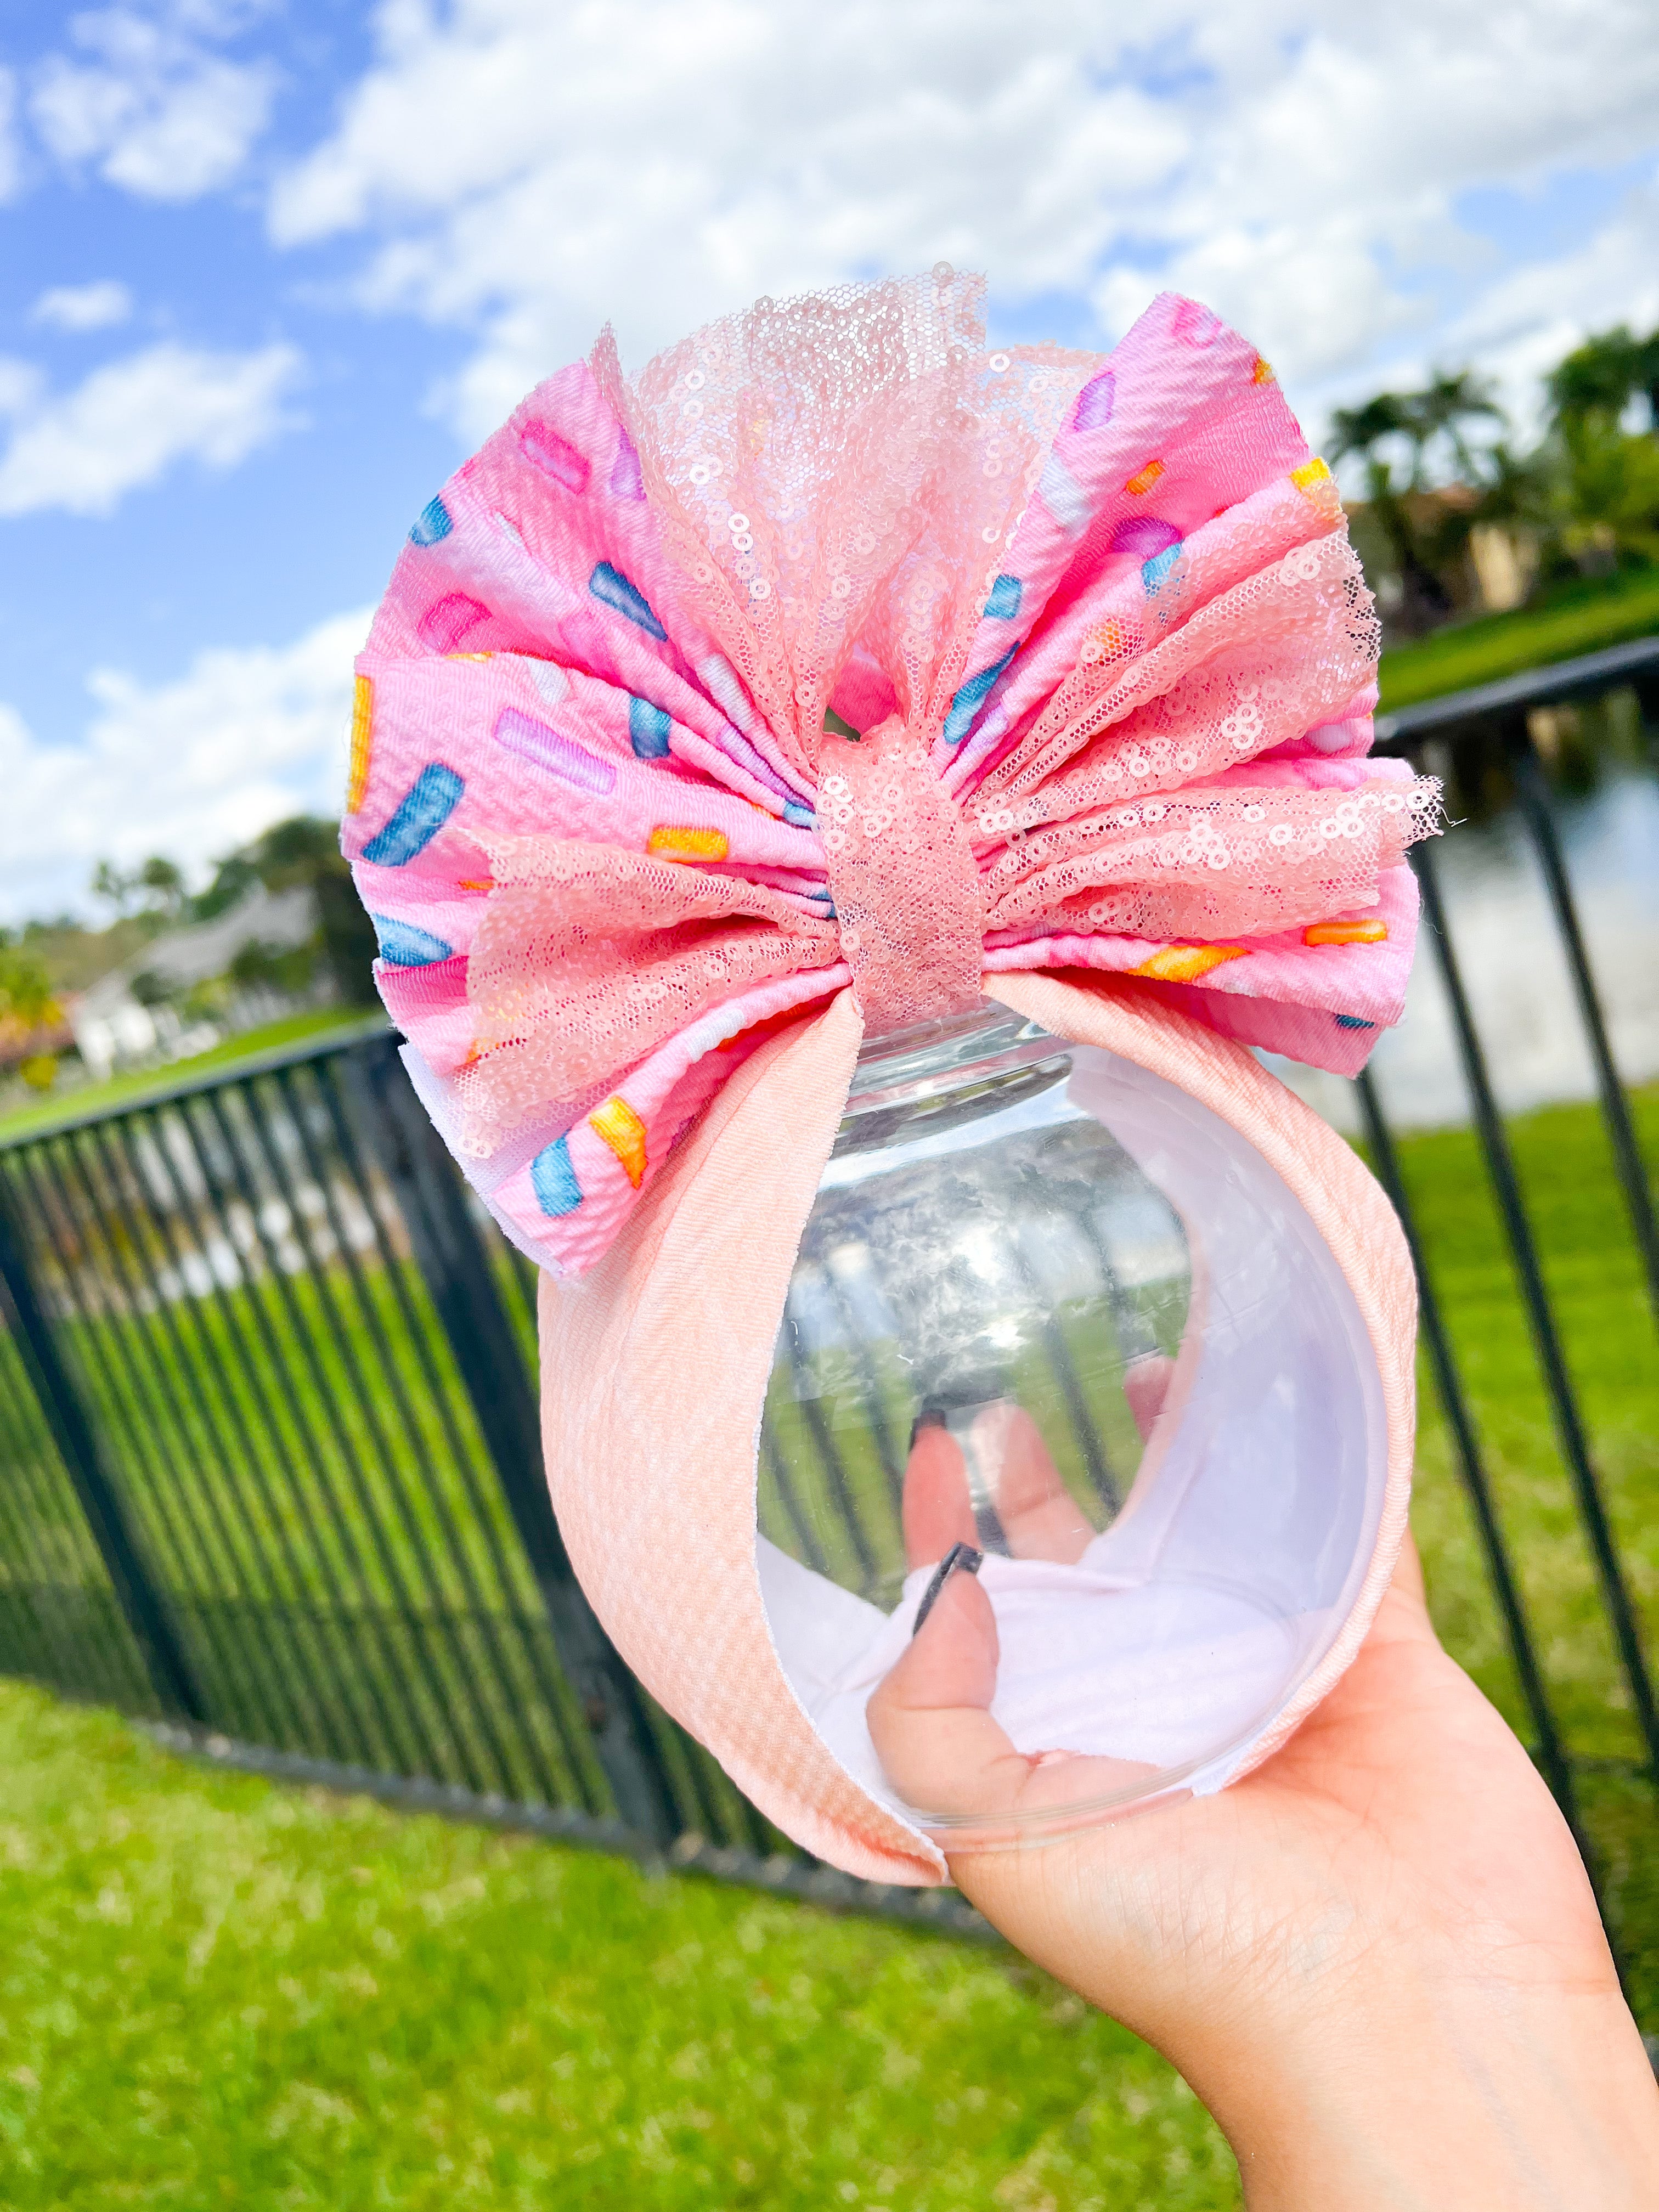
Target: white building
112 1027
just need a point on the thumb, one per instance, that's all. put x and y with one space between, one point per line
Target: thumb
930 1718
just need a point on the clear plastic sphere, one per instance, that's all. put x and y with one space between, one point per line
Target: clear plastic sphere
1056 1328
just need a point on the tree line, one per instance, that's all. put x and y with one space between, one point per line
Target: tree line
1440 463
43 961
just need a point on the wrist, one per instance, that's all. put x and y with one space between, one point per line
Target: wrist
1407 2089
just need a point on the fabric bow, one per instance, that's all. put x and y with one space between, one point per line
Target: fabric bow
1096 619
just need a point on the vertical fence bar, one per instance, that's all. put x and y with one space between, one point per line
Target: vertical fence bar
488 1724
264 1343
1089 1440
225 1569
51 1550
1537 813
484 1518
1569 1426
313 1663
459 1281
172 1540
1552 1753
170 1670
401 1719
376 1523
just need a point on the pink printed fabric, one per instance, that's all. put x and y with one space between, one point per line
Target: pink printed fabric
1096 620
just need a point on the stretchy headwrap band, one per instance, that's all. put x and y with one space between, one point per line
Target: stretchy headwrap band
830 675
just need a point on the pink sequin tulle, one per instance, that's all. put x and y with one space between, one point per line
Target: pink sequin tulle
1096 618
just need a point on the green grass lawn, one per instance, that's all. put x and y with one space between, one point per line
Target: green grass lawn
228 1992
1607 1332
47 1112
1582 616
214 1991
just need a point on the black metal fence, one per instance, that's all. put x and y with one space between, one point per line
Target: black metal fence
270 1460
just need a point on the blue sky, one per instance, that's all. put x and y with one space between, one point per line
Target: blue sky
270 268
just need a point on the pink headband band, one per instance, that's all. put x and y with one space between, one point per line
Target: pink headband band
641 892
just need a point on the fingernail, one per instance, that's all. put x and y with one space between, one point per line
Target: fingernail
959 1555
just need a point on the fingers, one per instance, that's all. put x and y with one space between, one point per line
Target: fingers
939 1745
1038 1515
1038 1518
936 1511
1146 1385
930 1719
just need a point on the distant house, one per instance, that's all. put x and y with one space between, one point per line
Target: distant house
1486 568
113 1022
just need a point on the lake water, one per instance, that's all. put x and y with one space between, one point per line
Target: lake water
1515 971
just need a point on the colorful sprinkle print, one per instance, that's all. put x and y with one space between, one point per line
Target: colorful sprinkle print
561 756
431 524
553 1179
1346 932
1007 593
1095 402
554 456
1153 572
1185 963
648 730
1106 641
616 1124
971 697
627 481
362 724
447 621
612 588
421 813
1064 496
802 817
1145 536
551 680
1196 325
721 682
1354 1022
1144 479
1263 371
403 945
673 843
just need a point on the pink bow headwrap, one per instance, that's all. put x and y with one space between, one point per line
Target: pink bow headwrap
1097 620
639 888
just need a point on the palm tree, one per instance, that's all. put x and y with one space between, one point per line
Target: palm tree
1603 375
1607 493
1428 431
1366 432
1438 415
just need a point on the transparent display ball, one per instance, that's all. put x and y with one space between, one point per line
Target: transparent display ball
1059 1331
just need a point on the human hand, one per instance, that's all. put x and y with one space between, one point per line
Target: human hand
1377 1959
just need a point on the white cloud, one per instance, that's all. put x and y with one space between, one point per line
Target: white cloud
533 172
79 308
128 422
155 110
20 385
526 171
191 768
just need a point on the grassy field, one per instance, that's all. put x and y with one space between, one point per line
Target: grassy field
1607 1331
216 1992
261 1996
45 1113
1582 616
